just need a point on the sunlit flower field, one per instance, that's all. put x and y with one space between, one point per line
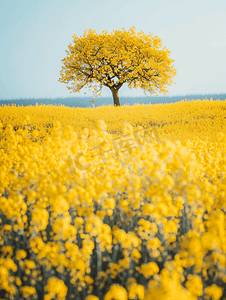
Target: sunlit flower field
111 203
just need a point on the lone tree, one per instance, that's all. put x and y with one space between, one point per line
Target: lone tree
97 60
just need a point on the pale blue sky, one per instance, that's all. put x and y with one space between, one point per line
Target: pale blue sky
34 35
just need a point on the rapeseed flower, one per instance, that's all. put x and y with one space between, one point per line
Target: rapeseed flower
194 285
137 200
28 291
116 292
213 291
149 269
136 290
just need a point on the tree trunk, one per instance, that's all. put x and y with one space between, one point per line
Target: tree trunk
115 96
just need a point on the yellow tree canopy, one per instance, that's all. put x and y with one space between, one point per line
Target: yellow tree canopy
96 60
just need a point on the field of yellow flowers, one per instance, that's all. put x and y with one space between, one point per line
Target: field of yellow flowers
113 202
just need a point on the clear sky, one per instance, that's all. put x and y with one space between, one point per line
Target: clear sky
34 35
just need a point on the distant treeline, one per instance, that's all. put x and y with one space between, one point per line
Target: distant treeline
84 101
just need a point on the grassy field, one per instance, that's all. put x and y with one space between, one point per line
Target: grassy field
113 202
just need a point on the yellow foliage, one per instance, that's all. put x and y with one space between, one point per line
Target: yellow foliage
112 59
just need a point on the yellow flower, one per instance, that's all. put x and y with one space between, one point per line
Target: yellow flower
169 181
153 244
214 291
124 263
170 226
169 289
146 225
3 272
114 268
24 219
40 218
149 269
136 254
136 289
10 264
28 291
7 250
30 264
194 285
91 297
109 203
57 287
26 120
18 281
195 245
116 292
20 254
220 137
7 227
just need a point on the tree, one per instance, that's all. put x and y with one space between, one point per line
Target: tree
97 60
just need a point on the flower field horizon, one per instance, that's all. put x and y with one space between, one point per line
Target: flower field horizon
113 202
